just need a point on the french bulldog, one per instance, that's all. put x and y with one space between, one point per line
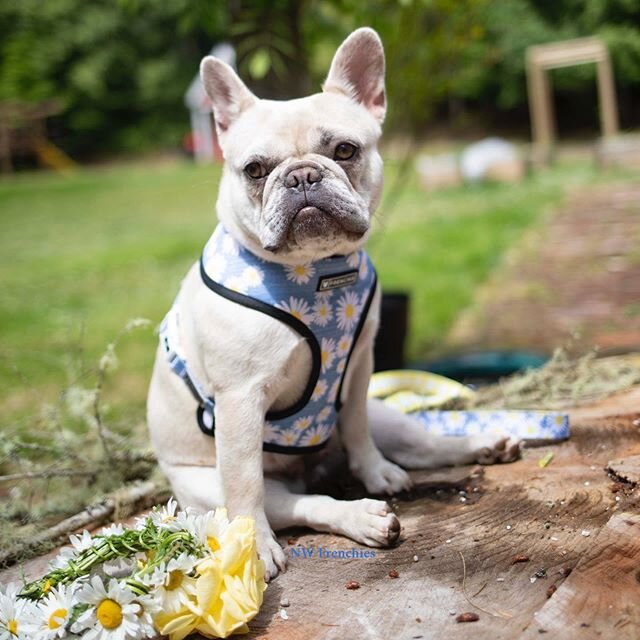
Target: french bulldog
301 181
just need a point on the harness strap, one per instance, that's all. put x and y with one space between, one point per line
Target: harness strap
178 364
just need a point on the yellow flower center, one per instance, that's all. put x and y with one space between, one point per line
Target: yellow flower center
300 270
109 614
322 311
58 614
47 586
297 314
174 580
212 543
12 625
324 357
349 310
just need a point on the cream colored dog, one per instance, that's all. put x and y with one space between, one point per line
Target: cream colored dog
301 181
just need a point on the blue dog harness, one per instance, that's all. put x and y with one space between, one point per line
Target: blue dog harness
325 301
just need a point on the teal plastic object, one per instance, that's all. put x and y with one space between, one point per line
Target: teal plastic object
482 365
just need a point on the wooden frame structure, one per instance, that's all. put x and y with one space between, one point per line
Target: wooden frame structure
542 58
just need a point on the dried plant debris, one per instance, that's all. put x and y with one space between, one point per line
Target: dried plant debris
562 382
68 455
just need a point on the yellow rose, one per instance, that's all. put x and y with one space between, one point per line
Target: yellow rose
229 586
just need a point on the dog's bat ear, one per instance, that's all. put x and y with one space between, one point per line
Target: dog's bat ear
229 95
357 71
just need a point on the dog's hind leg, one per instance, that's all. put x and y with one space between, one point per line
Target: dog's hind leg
404 440
367 521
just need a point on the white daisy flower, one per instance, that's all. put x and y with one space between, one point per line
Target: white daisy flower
149 605
112 530
230 246
300 273
323 414
172 582
17 616
237 284
55 612
252 276
327 352
120 567
289 437
353 259
319 390
210 527
165 516
298 308
112 614
168 517
322 311
341 365
313 436
303 423
270 431
78 544
347 313
216 266
343 346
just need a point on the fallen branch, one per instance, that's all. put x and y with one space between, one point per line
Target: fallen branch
120 504
50 473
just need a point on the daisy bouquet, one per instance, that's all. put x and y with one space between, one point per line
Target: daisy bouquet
173 574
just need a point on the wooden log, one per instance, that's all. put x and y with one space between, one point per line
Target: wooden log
121 503
600 597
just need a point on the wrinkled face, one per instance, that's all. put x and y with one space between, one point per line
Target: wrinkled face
302 177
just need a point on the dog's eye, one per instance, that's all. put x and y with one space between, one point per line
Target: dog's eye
255 170
344 151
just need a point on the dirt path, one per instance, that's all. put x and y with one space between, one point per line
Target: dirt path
579 274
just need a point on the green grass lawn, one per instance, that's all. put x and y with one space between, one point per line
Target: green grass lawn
81 255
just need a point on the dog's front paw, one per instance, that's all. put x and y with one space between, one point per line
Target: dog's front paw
372 522
271 553
380 476
488 448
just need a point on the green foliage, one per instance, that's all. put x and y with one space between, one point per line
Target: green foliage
445 53
116 66
121 66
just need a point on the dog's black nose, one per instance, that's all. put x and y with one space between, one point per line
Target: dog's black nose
298 177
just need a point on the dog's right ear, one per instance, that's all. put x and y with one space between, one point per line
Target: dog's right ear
228 94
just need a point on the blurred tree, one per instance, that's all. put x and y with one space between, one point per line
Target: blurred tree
268 41
122 66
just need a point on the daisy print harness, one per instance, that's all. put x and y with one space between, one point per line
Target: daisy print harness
325 301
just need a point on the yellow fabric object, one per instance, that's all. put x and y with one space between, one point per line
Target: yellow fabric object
411 391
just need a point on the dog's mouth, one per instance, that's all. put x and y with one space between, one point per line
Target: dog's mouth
314 222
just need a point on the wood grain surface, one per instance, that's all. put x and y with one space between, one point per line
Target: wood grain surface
573 527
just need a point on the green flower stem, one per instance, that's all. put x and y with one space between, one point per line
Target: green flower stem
164 542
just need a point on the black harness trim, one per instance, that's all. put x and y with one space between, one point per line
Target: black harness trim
306 333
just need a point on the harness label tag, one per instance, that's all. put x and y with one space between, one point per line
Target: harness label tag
345 279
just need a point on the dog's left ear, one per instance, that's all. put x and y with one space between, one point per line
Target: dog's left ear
357 71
